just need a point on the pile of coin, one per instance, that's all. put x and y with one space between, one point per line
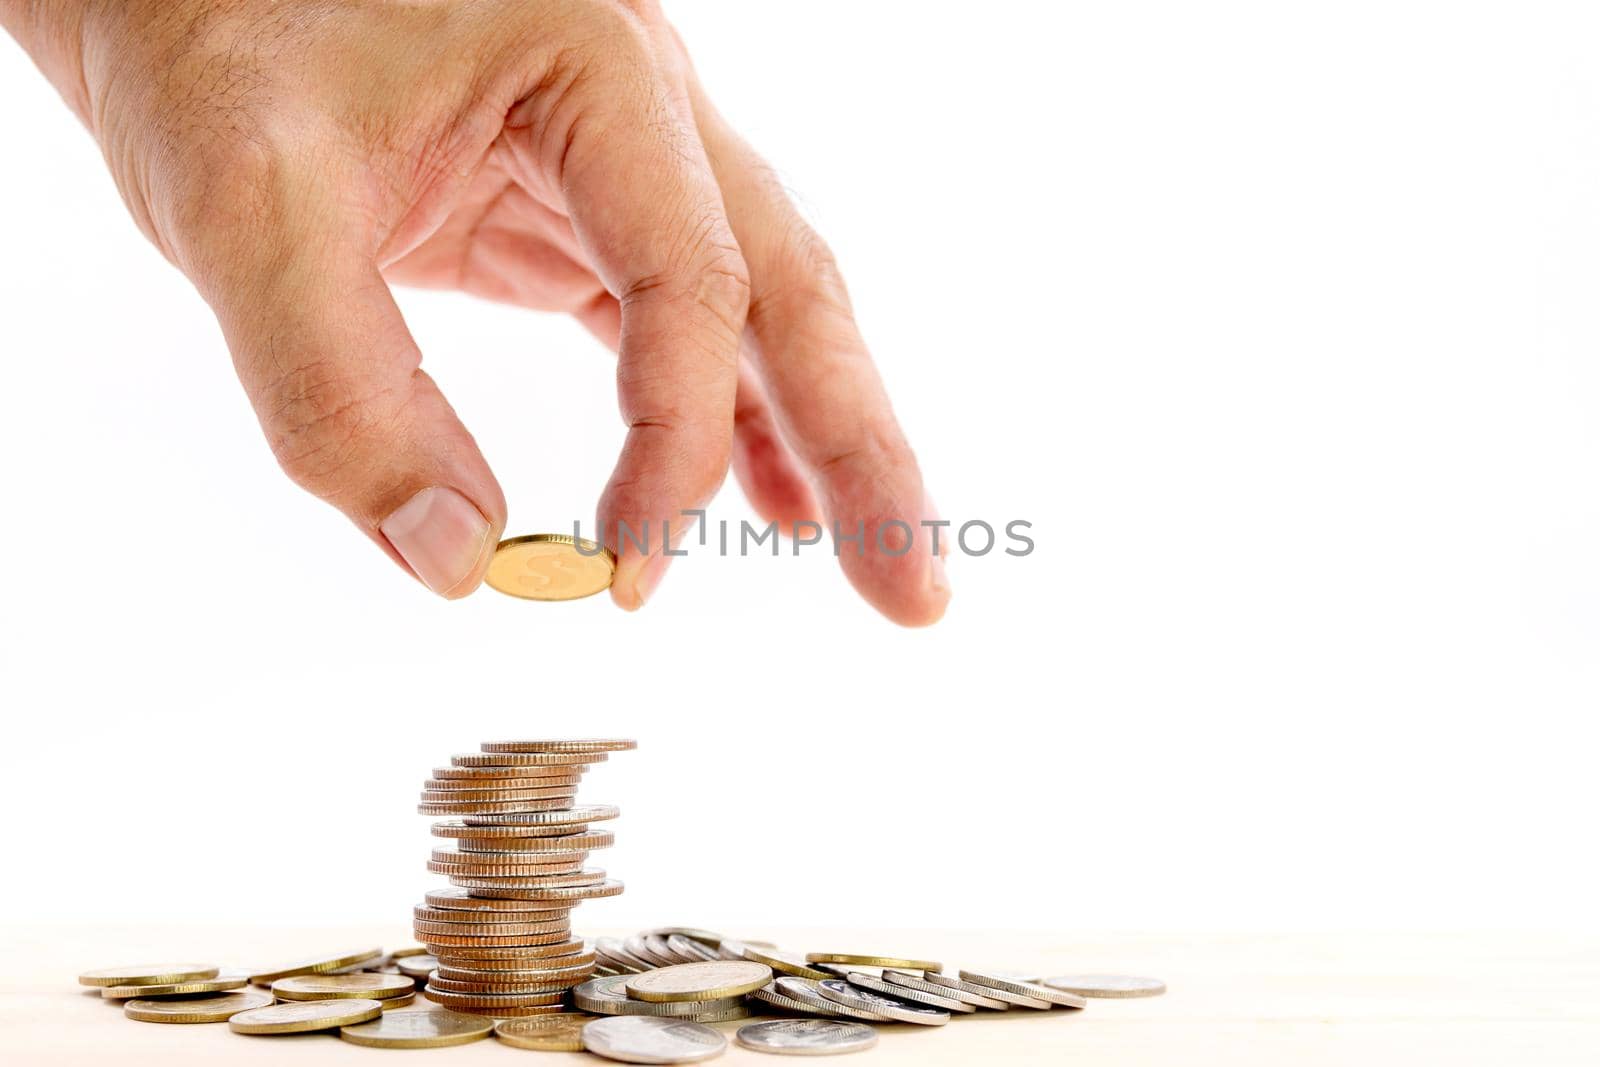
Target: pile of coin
500 937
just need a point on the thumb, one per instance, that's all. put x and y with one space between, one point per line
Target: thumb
335 379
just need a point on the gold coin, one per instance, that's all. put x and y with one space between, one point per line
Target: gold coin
528 867
431 927
402 953
304 1017
608 888
316 965
530 970
493 1001
586 841
464 918
495 807
581 744
848 960
711 980
418 1029
783 962
545 982
148 974
398 1002
588 876
550 567
516 858
462 900
445 944
173 989
560 1032
335 986
580 760
555 774
214 1009
521 957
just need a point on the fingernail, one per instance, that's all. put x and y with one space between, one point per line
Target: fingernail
440 534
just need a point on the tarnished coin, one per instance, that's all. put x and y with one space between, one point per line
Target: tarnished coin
771 995
783 962
526 759
316 965
841 992
805 991
579 744
845 959
557 844
907 981
1012 984
561 1032
305 1016
586 877
446 944
471 809
643 1039
689 950
609 996
550 567
806 1037
455 899
174 989
871 982
950 981
608 888
483 916
336 986
699 981
419 1029
149 974
508 924
563 817
211 1009
1106 985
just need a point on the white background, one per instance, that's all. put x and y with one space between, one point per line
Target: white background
1277 321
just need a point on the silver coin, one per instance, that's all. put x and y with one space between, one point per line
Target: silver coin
729 949
805 991
908 980
638 1039
709 937
610 950
726 1015
1014 984
942 1001
770 994
586 814
939 978
609 996
417 966
836 970
639 945
1106 985
807 1037
659 946
690 950
841 992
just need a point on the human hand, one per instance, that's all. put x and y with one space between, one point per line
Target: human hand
292 157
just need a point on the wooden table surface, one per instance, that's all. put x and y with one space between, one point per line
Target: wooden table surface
1284 1001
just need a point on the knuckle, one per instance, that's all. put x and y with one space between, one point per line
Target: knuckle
317 420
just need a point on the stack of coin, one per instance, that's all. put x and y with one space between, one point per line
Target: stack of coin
501 936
